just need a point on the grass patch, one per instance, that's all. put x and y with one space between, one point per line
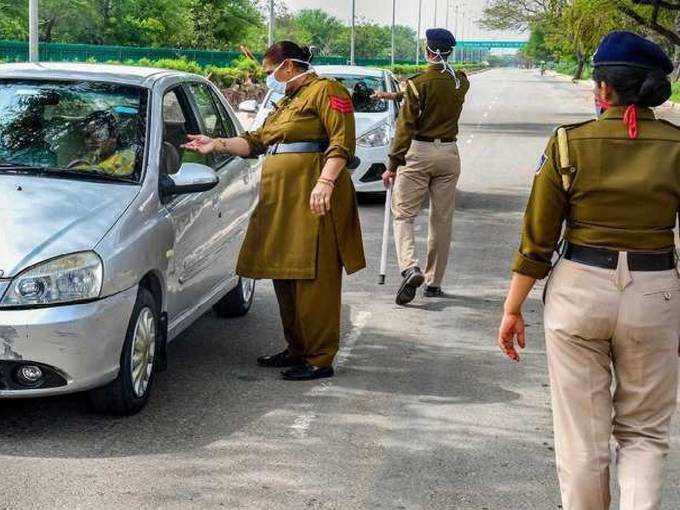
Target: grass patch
676 92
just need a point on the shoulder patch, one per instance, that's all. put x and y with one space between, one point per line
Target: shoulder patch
341 104
541 163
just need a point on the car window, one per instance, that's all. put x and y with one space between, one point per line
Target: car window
213 123
87 128
178 122
361 88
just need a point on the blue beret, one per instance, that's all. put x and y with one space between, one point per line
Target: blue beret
440 38
629 49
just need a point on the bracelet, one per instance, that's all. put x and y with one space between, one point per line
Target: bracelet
326 181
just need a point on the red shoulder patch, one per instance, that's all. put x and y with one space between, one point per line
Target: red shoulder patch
341 104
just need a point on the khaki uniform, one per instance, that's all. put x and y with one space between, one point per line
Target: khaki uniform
425 156
304 254
604 324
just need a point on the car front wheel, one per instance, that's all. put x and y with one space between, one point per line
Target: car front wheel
129 392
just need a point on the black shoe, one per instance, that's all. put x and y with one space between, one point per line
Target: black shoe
307 372
280 360
433 292
413 279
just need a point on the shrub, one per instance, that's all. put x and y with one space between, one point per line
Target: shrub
676 92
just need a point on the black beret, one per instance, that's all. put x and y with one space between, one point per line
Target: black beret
628 49
440 39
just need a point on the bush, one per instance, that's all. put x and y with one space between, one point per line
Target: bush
676 92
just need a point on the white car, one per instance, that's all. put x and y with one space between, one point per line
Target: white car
375 120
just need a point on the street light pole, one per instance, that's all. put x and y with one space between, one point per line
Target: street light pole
420 19
448 8
394 24
353 33
270 35
435 14
33 54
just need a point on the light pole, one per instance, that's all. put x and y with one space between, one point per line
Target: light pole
420 19
353 33
33 54
270 35
448 8
394 24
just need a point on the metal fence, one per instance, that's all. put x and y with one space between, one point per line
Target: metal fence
17 51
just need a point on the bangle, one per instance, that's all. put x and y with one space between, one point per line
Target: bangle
326 181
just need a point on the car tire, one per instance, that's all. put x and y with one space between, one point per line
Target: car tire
239 300
129 392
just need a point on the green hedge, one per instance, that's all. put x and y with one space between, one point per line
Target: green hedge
676 92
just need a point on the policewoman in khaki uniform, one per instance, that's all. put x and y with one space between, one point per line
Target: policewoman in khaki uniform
306 225
612 304
424 161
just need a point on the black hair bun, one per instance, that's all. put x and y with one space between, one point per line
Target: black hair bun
655 89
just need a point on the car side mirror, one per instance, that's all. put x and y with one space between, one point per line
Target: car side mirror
190 178
249 106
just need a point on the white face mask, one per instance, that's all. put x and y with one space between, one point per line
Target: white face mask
447 67
280 86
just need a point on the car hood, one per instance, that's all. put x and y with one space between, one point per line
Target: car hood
43 217
367 121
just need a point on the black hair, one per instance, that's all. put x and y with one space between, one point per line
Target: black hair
635 85
282 50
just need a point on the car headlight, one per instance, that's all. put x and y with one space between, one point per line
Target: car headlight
67 279
376 137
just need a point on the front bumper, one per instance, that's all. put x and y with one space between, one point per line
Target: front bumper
367 177
79 345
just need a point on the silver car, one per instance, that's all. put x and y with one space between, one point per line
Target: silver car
112 238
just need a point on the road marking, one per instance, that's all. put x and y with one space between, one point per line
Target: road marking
303 422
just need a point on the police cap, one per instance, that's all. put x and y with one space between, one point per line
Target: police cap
621 48
440 39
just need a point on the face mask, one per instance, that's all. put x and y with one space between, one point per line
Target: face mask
280 86
447 67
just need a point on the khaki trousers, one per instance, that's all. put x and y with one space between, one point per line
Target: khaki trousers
602 325
431 168
310 309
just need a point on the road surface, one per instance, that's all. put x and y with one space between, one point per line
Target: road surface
424 412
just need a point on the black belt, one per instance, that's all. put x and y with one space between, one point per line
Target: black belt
432 140
297 147
609 259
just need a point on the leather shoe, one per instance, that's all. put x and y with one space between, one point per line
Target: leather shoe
280 360
307 372
413 279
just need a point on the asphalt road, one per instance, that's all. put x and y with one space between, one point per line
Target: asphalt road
424 412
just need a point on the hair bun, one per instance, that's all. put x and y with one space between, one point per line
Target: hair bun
655 89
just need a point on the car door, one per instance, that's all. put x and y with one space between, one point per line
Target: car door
231 199
191 215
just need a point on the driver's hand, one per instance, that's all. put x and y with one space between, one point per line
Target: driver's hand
200 143
391 96
388 178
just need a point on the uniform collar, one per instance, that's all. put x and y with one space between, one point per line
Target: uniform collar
435 66
617 112
306 80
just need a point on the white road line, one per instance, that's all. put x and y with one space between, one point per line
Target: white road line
303 422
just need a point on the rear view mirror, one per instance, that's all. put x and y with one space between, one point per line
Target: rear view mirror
249 106
190 178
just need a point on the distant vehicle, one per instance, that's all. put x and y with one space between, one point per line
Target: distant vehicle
375 119
114 240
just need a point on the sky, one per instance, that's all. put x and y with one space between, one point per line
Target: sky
407 14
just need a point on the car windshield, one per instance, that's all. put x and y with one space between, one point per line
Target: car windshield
83 129
360 87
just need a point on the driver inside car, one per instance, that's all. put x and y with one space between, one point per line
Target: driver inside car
102 146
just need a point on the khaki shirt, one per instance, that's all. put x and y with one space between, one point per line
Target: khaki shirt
431 108
283 234
624 196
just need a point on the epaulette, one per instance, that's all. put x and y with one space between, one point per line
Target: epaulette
566 168
569 127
